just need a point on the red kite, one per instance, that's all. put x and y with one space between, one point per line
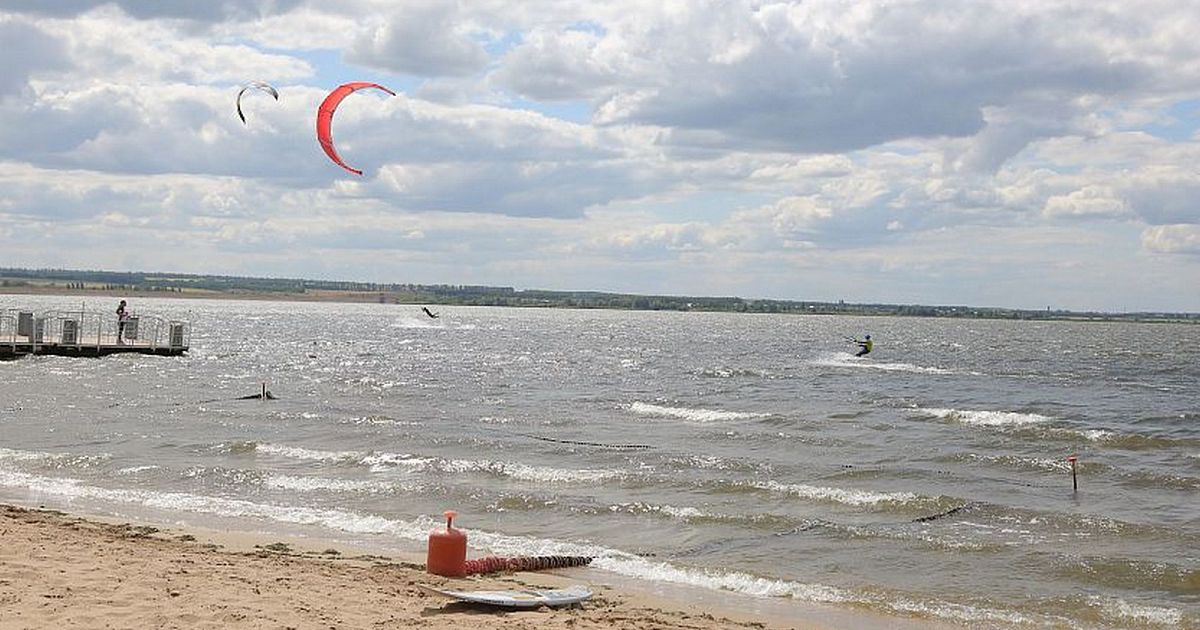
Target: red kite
325 118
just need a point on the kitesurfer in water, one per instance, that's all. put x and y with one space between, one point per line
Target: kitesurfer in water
428 312
864 346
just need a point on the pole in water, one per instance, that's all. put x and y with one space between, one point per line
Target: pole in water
264 390
1074 478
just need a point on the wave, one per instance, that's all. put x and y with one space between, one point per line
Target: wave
847 360
841 495
693 415
1132 573
379 462
1041 426
1123 612
60 461
413 322
296 452
317 484
987 418
730 372
416 530
623 563
1033 464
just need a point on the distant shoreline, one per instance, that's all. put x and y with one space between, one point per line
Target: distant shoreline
450 295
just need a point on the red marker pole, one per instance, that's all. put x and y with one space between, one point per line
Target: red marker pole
1074 478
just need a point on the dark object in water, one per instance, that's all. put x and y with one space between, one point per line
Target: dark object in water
428 312
264 395
933 517
495 564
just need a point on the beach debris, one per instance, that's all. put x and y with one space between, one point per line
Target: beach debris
497 564
446 554
254 85
518 599
325 118
582 443
945 513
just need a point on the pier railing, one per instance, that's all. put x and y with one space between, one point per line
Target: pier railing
85 329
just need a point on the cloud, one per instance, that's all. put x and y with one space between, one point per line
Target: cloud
1088 202
1164 195
206 11
30 51
837 76
424 39
1172 239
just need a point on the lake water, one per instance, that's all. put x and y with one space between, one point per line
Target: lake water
743 453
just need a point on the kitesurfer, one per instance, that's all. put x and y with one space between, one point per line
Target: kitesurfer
428 312
864 346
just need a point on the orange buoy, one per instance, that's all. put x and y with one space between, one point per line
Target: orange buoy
447 554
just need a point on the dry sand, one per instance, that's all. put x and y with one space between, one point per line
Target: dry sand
62 571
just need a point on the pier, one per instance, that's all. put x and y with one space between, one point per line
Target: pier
89 334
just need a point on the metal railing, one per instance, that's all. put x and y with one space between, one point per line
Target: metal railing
83 328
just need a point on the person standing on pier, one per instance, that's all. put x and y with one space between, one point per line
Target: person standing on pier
122 317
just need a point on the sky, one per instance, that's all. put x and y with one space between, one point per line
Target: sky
1012 153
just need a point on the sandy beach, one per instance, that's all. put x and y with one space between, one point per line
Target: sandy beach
59 570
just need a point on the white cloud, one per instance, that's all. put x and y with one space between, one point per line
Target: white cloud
1172 239
426 38
1090 201
913 150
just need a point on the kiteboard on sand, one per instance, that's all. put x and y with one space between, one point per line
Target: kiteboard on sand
519 599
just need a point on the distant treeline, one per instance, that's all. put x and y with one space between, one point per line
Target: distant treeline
474 295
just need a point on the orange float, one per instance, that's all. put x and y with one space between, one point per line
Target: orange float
447 553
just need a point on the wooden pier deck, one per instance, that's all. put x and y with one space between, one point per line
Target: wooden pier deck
88 334
87 348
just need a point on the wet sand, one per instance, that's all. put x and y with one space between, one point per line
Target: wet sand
64 571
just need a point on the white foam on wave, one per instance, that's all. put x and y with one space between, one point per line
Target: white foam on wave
837 495
846 360
380 462
630 565
525 472
678 513
1098 435
296 452
693 415
56 460
1123 611
988 418
413 322
605 559
416 530
316 484
133 470
73 489
960 613
24 456
1014 461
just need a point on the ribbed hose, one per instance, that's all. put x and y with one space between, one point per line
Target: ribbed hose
495 564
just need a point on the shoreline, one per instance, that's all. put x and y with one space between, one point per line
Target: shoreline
390 298
87 571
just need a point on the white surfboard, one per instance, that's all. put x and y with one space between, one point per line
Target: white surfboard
519 599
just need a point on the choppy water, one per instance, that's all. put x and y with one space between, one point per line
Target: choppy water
745 453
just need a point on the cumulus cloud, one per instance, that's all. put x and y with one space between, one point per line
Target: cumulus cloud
425 39
919 147
30 50
207 11
1091 201
1172 239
